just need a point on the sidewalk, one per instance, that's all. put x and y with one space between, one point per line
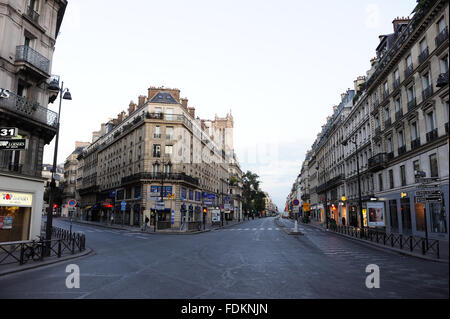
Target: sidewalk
443 245
151 229
6 269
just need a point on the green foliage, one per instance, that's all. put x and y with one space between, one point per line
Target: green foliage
252 198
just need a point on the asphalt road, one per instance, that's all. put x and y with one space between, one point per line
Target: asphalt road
255 259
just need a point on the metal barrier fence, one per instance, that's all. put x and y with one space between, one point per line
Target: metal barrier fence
21 252
403 242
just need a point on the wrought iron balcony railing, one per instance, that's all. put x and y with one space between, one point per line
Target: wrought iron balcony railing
159 177
390 156
423 55
398 115
26 54
378 161
396 83
402 150
442 80
32 110
409 70
387 123
415 143
385 94
442 36
33 15
432 135
377 131
427 92
11 167
412 104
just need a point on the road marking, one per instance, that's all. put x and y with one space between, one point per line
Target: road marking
261 228
255 229
141 237
269 228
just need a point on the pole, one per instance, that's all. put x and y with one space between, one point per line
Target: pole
48 230
359 186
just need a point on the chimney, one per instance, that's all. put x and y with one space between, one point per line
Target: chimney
184 103
141 100
103 129
191 111
358 82
131 107
399 22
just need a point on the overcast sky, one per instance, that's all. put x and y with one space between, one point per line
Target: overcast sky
279 66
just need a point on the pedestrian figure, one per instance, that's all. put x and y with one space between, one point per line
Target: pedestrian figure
112 219
146 222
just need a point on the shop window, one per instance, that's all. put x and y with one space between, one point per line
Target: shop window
393 215
420 216
14 223
438 218
406 214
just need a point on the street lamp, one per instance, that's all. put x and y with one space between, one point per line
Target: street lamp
345 143
63 94
163 163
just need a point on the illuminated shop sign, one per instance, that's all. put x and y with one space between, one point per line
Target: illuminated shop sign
16 199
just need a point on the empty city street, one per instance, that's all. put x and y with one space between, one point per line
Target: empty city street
255 259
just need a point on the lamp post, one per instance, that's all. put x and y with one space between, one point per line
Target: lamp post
63 94
163 163
345 143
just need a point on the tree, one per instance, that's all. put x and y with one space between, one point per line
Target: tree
252 197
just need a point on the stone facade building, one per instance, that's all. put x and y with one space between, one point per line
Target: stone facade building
28 32
160 141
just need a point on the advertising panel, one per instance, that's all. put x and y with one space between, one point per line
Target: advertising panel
376 214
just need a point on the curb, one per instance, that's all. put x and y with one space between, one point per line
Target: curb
153 233
88 251
382 247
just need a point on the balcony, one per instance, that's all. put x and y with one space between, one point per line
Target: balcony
33 15
156 135
412 104
377 162
11 167
331 183
409 71
387 123
29 109
441 37
396 83
377 131
156 154
415 144
442 80
401 150
35 61
159 176
432 135
390 156
423 56
426 93
398 115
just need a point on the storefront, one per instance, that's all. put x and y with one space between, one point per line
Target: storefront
408 214
21 203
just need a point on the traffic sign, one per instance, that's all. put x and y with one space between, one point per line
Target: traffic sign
306 207
426 180
296 202
123 205
422 193
72 203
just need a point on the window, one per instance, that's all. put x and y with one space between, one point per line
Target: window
441 25
377 122
410 93
408 61
423 45
167 169
405 208
156 150
433 166
169 132
169 149
169 114
380 182
430 121
444 64
401 138
386 88
403 175
157 133
416 165
414 131
158 110
396 76
398 105
426 80
391 179
387 114
393 215
420 216
155 168
438 218
389 145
